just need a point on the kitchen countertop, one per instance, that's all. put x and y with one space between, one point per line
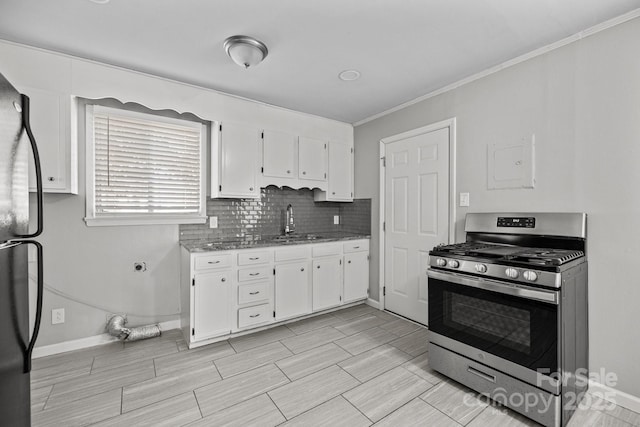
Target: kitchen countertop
264 241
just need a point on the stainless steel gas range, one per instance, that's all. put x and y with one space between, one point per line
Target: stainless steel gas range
508 311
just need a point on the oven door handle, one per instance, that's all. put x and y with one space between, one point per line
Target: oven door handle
495 286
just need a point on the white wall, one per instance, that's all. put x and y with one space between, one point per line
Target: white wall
94 265
582 102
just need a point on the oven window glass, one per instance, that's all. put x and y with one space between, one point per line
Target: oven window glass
518 329
495 322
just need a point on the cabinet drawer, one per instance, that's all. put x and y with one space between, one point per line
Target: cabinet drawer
254 273
204 262
293 253
254 315
250 258
253 292
328 249
356 246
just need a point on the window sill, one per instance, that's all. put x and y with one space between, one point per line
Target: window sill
154 220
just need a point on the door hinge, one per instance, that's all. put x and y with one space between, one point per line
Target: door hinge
384 162
352 150
262 135
220 187
220 128
340 262
368 257
340 297
262 169
325 146
325 175
193 282
274 314
193 331
384 226
352 194
274 271
384 291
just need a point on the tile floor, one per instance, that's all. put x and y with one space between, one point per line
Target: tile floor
354 367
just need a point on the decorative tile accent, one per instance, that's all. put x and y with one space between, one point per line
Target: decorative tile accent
250 219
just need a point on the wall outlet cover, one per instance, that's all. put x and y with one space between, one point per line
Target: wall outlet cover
213 222
336 219
464 199
57 316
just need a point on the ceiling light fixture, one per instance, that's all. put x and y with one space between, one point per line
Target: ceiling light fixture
100 1
349 75
245 51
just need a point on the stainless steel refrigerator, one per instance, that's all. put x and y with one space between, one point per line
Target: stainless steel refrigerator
16 338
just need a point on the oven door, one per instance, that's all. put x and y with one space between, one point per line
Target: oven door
514 323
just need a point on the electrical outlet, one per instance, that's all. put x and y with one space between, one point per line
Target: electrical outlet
336 219
464 199
57 316
213 222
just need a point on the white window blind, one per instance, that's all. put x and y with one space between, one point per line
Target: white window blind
145 166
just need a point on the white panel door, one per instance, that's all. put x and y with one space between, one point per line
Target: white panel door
292 290
239 161
312 159
279 154
416 216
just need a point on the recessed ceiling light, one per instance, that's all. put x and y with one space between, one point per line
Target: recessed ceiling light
349 75
100 1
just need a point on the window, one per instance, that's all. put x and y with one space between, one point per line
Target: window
143 168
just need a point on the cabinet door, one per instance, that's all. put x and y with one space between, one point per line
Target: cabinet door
356 276
279 154
50 123
238 161
211 305
327 282
340 172
312 159
292 290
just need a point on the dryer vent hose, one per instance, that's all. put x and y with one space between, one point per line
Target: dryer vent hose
116 327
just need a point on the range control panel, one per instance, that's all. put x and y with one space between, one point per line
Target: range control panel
515 222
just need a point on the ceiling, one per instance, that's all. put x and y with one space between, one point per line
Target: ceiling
403 48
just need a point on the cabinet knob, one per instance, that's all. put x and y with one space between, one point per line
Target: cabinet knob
304 173
223 279
51 179
318 267
334 193
349 262
288 171
250 188
302 269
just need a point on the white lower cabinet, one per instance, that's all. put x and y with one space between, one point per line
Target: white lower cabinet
356 276
292 290
327 282
225 292
211 308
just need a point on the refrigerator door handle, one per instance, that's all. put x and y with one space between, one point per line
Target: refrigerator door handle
38 317
36 161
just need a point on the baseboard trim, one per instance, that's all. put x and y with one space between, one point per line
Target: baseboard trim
612 395
373 303
63 347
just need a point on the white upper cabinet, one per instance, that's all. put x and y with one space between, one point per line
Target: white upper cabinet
312 159
279 155
235 160
340 174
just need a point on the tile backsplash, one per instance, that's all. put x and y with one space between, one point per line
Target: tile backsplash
249 219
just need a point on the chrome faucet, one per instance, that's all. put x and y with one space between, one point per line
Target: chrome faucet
289 225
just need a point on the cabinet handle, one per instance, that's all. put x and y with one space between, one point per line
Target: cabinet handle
254 293
356 247
254 258
213 262
254 274
302 269
254 315
223 279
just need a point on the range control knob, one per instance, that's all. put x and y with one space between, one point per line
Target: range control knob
481 268
453 263
531 276
440 262
511 272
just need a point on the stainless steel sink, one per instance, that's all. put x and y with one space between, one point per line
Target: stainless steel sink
295 237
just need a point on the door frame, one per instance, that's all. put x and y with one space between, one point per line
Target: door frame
448 123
